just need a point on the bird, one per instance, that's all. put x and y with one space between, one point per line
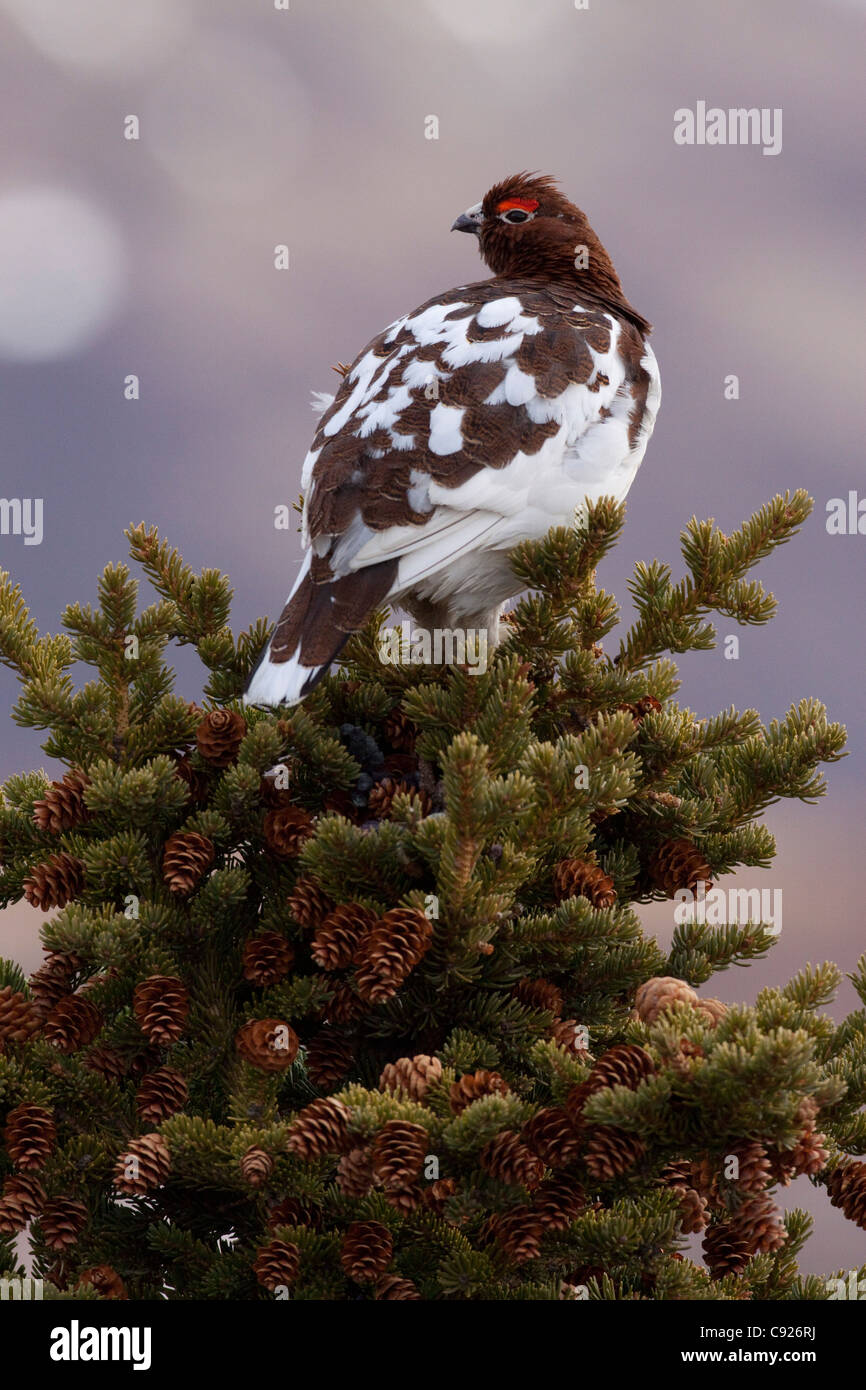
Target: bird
485 417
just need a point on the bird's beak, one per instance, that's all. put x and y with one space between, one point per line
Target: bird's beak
469 221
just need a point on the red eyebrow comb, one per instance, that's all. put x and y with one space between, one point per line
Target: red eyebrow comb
527 204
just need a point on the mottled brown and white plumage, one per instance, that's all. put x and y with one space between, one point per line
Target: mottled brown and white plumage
483 418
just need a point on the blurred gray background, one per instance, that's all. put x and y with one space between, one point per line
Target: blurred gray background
306 126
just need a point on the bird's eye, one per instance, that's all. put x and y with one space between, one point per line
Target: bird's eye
516 215
517 209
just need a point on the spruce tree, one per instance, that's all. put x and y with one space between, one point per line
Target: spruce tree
352 1000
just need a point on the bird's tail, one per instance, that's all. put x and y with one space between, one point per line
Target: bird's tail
313 628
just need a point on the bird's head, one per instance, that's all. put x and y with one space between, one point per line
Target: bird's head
526 226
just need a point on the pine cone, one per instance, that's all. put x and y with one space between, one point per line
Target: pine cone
293 1211
473 1085
657 994
381 797
611 1151
366 1251
55 883
810 1153
398 1153
405 1199
105 1280
107 1062
62 1222
320 1128
267 1043
19 1020
338 937
220 735
437 1194
276 1264
539 994
345 1006
642 707
23 1198
519 1232
267 957
329 1057
54 978
506 1158
753 1166
410 1076
309 904
725 1251
162 1093
30 1136
578 878
193 778
286 830
355 1173
185 859
400 732
758 1224
390 952
161 1005
693 1210
678 865
256 1166
63 806
392 1287
72 1024
714 1009
627 1064
552 1136
846 1187
145 1164
570 1034
558 1201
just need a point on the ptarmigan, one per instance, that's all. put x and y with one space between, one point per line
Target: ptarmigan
483 418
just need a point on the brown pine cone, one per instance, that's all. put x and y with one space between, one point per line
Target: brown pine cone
321 1128
677 865
19 1019
398 1153
577 1097
753 1166
267 957
72 1024
23 1198
193 777
552 1136
345 1007
381 797
410 1076
693 1210
657 994
506 1158
437 1194
293 1211
758 1224
30 1136
63 806
336 940
308 903
400 732
366 1251
145 1164
276 1264
810 1153
405 1199
725 1252
390 952
539 994
106 1281
161 1005
611 1151
578 878
642 707
55 883
355 1173
162 1093
391 1286
256 1166
571 1035
714 1009
519 1232
286 830
329 1057
220 735
472 1085
185 859
107 1062
558 1201
62 1222
267 1043
626 1064
846 1187
54 978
